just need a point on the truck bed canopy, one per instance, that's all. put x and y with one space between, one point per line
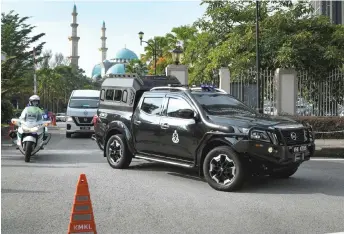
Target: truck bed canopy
139 83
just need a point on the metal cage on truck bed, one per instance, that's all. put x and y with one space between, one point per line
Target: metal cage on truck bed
124 90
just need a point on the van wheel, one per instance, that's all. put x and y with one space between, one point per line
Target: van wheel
117 153
68 134
224 169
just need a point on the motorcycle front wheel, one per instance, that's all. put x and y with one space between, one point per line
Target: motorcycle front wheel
28 150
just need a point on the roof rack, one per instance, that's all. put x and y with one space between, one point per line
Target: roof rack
169 88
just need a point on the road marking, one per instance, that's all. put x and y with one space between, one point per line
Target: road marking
7 145
327 159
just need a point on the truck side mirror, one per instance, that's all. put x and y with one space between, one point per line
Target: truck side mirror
186 114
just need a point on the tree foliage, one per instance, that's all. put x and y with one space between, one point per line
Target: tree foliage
55 77
290 36
17 42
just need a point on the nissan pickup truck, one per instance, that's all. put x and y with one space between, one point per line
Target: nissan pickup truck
155 118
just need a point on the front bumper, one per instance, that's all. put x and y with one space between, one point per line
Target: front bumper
276 154
73 128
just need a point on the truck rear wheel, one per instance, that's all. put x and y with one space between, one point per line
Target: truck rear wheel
117 153
224 170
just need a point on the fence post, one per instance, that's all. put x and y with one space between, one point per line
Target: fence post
225 79
179 71
286 89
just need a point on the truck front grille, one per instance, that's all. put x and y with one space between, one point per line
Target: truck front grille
295 136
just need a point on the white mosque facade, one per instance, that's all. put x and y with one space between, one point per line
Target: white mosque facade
115 66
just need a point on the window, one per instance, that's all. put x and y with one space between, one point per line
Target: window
109 94
83 103
118 95
152 105
124 96
102 94
222 104
174 105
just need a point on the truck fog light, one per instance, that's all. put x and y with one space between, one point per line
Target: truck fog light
270 149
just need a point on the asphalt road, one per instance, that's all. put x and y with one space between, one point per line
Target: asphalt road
154 198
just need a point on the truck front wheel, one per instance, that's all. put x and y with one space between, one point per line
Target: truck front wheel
117 153
224 169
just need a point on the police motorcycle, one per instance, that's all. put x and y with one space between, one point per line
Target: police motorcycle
31 135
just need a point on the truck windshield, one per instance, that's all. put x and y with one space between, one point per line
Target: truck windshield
222 104
83 103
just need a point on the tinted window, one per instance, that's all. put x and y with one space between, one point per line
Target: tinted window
124 96
109 94
83 103
174 105
118 95
102 94
222 104
152 105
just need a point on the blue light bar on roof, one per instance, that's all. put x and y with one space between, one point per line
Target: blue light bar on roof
207 87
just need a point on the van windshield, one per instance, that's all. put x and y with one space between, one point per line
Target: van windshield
83 103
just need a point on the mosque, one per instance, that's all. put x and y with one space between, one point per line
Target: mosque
114 65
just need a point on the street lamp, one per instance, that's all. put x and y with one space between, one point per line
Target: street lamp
176 54
153 46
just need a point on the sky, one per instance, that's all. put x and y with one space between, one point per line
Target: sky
123 19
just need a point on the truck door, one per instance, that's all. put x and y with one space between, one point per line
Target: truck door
180 134
145 124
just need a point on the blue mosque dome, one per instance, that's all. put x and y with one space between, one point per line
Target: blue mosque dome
126 54
96 70
116 69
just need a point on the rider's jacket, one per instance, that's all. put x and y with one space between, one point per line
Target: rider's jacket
31 111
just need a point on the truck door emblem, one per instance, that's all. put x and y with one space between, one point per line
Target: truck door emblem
175 138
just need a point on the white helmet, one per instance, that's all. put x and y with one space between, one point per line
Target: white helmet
34 100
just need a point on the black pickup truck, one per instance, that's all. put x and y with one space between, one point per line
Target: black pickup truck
157 119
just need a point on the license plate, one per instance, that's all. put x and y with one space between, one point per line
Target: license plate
301 148
85 128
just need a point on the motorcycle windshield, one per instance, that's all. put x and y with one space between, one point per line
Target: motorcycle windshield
33 115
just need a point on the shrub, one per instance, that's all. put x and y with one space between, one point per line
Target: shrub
324 127
6 111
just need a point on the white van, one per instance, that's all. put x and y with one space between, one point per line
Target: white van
82 107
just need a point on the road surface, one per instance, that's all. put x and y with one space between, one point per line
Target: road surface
154 198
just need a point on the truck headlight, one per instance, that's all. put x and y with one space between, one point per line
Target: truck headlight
259 135
69 119
244 130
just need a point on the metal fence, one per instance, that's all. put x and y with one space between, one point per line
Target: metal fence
244 87
317 96
320 96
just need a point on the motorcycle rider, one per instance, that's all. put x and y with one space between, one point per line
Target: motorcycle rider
33 105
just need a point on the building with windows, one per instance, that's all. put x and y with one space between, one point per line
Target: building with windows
333 9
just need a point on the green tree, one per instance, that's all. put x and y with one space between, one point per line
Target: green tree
16 41
137 66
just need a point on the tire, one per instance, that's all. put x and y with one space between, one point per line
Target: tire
124 160
28 150
232 158
68 134
284 173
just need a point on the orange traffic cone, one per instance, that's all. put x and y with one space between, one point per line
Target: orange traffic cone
82 218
